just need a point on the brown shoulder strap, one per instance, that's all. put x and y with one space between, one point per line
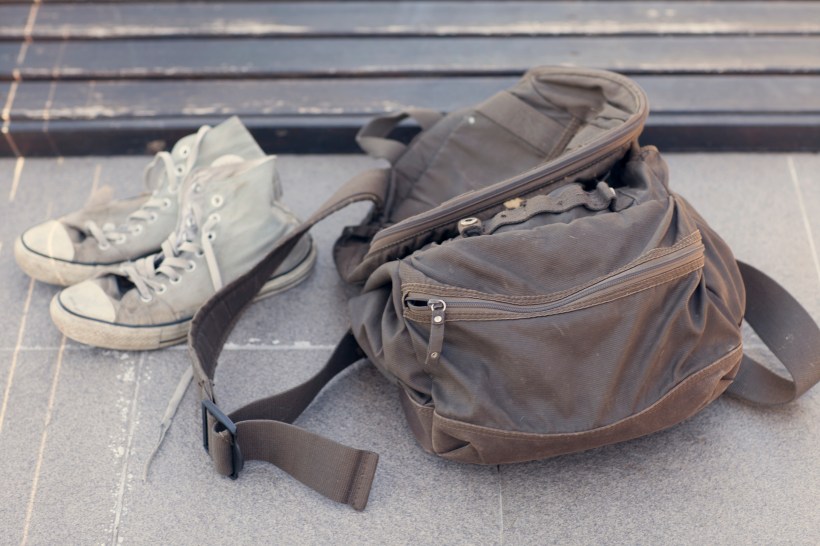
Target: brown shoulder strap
791 334
372 138
262 430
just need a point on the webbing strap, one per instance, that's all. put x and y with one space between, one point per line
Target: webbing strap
790 333
262 429
564 199
372 138
264 433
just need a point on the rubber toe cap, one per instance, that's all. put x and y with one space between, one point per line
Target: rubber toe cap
50 239
89 300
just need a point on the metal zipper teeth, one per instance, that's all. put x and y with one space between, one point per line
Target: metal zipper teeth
617 284
532 181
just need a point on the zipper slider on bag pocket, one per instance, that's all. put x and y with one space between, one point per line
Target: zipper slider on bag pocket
436 341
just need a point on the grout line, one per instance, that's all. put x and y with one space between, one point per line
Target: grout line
228 347
15 356
18 346
32 17
132 416
55 70
298 346
4 129
6 114
21 55
52 90
500 504
96 180
52 395
806 222
47 117
18 172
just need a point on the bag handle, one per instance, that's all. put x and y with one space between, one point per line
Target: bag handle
262 430
372 138
789 332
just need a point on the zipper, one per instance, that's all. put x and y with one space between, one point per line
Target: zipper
441 308
529 181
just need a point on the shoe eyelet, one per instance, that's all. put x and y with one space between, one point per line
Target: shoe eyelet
199 253
136 230
162 289
184 151
214 217
104 246
211 235
153 217
197 188
166 203
180 170
121 239
146 300
191 265
175 280
217 200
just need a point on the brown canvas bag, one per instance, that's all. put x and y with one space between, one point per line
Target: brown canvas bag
530 284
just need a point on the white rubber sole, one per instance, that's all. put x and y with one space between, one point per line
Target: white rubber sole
146 338
50 270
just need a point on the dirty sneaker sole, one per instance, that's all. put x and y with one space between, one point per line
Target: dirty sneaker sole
53 270
127 337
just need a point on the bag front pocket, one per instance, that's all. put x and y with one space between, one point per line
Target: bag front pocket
566 362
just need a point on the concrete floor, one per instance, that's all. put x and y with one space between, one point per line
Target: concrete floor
77 423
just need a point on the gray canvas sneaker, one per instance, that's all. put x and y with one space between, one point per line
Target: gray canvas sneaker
107 232
230 218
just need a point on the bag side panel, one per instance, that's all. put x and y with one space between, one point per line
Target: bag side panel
482 445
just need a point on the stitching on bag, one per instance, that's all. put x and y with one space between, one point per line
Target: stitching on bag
536 189
514 135
667 278
444 290
620 81
429 164
357 485
451 423
572 129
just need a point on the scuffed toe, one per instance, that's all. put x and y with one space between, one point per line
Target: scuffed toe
89 300
50 239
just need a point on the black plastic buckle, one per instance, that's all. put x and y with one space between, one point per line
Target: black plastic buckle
237 461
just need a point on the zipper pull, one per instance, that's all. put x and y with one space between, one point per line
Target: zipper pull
436 341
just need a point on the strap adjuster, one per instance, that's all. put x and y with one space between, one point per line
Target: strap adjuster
237 460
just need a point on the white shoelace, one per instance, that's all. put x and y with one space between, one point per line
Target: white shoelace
168 416
147 273
192 237
109 233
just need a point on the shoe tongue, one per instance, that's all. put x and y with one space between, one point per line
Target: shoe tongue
156 174
226 160
101 196
202 179
185 142
220 169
